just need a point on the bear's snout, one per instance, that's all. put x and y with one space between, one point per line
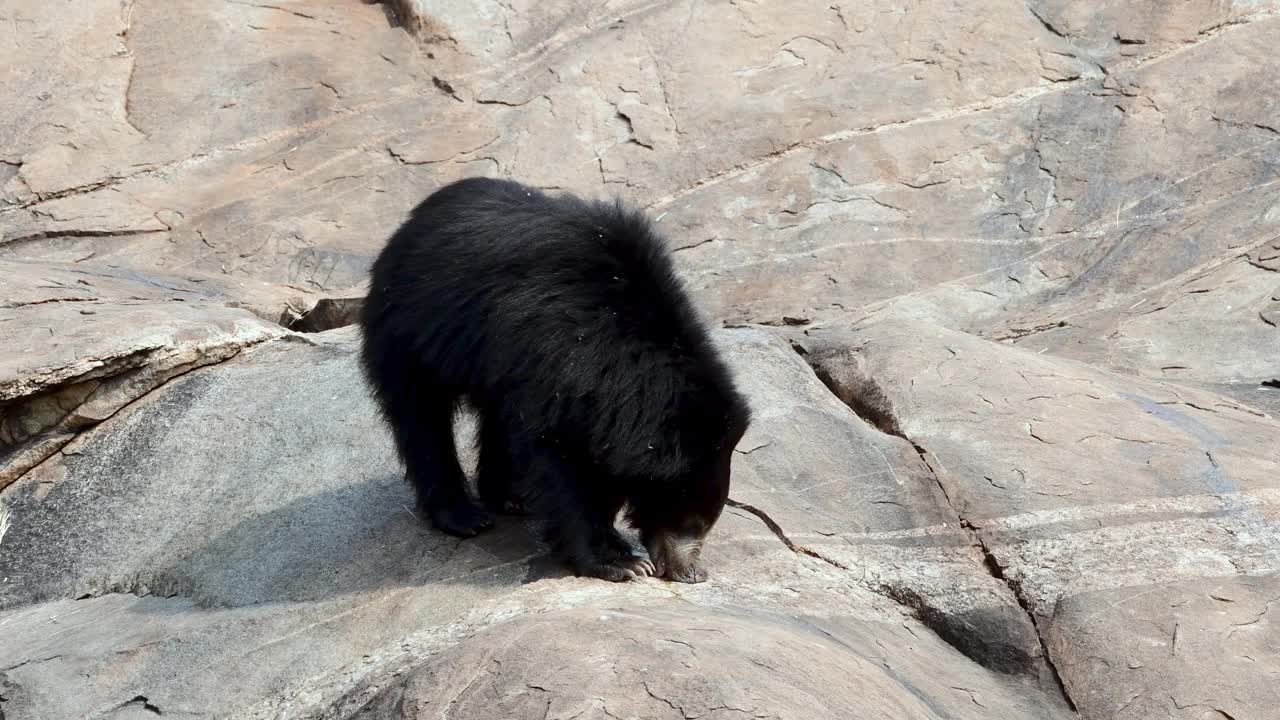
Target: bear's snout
677 558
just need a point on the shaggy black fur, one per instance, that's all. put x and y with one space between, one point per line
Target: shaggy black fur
563 322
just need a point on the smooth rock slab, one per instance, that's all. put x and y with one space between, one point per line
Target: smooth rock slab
667 663
1189 651
1084 488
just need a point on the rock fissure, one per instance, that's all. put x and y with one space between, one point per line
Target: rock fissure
1017 333
1046 24
49 234
126 17
997 571
277 8
869 401
328 313
141 702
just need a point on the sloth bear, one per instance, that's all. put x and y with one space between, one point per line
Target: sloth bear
563 322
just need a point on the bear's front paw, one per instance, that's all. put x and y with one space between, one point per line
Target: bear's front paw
620 570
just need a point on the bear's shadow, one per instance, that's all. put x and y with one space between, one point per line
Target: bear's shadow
359 538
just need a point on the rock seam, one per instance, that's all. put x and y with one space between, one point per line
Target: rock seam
878 413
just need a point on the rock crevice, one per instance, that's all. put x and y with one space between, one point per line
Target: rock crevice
839 369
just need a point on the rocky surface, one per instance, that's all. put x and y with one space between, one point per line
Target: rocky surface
304 535
1148 505
1002 282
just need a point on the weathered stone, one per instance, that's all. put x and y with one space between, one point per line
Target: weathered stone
258 157
329 314
1204 649
659 662
1116 33
74 361
1006 218
1085 490
832 487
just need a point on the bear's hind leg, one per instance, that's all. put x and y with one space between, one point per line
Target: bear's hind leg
496 481
424 435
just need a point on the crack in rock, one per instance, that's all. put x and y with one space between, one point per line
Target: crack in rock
50 234
963 632
864 396
1017 333
141 702
446 87
631 128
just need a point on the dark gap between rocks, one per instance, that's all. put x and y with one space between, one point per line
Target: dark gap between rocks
993 567
958 632
407 15
963 632
327 314
859 394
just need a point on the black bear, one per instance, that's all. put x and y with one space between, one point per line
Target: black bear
563 322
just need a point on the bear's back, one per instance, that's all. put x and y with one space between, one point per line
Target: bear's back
501 285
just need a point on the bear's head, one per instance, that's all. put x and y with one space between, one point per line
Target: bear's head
675 515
